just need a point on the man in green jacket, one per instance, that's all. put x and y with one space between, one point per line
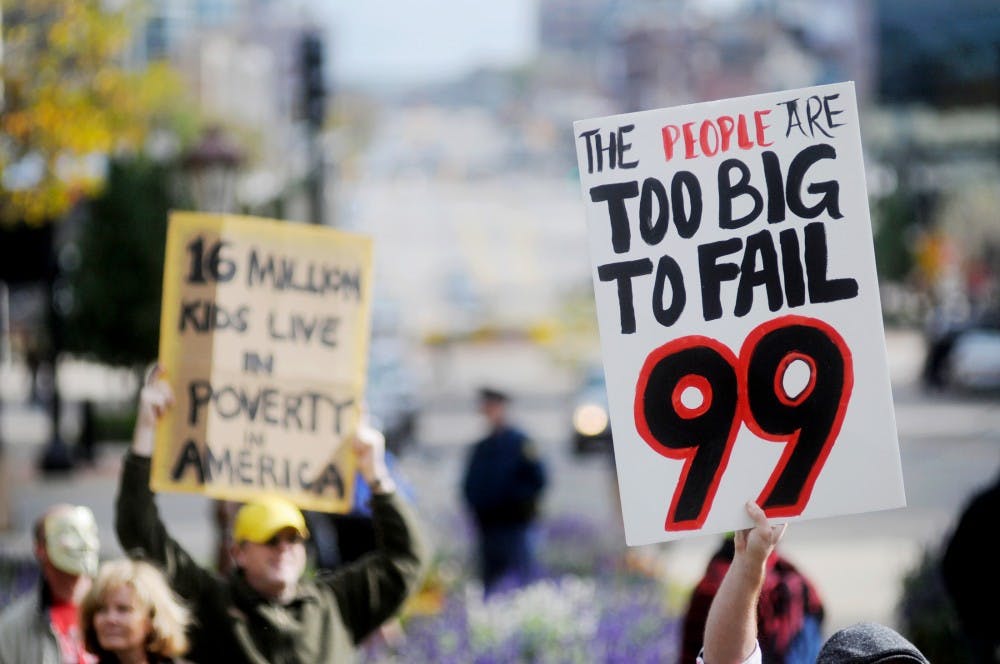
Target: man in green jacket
264 611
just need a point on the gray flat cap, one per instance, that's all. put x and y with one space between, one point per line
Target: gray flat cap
868 643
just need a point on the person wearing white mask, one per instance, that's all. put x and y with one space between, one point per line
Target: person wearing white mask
43 626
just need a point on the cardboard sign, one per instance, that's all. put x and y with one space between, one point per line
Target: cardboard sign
739 312
264 339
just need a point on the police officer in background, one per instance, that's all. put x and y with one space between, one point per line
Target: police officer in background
503 485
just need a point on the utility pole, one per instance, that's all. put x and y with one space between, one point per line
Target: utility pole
4 361
1 56
314 112
58 456
4 336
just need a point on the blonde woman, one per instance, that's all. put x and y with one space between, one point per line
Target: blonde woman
130 616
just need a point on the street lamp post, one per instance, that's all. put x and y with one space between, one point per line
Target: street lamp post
57 457
211 167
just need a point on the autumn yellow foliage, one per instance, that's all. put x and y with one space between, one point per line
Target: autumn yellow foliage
70 98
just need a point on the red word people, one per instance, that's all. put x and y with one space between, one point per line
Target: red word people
714 136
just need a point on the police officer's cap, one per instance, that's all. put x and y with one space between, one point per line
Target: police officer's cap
493 395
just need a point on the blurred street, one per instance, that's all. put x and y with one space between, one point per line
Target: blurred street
444 132
949 447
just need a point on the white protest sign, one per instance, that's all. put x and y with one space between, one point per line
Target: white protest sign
739 312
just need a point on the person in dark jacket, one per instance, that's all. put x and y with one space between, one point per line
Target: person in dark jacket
971 576
264 611
789 610
503 484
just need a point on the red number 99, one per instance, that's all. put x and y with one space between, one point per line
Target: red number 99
693 393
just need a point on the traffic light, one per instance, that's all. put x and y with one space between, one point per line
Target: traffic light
313 81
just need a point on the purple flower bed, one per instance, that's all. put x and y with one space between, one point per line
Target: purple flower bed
18 575
633 626
581 608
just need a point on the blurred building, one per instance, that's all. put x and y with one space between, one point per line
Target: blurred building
655 53
242 61
938 54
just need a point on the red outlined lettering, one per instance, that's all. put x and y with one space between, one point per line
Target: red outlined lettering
808 424
745 389
779 378
695 382
702 437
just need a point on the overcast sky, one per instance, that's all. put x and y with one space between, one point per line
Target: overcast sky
413 41
417 41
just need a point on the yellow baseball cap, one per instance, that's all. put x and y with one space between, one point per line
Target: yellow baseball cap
261 519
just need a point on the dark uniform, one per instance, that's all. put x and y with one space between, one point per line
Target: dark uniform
503 483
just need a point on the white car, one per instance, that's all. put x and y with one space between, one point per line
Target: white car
974 361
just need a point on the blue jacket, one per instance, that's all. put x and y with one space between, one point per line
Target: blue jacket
504 479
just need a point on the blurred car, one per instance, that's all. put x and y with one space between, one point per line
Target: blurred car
975 360
965 356
590 420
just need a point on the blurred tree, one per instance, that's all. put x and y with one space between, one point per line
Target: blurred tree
896 218
115 316
69 100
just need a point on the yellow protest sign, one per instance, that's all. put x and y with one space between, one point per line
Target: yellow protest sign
264 339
